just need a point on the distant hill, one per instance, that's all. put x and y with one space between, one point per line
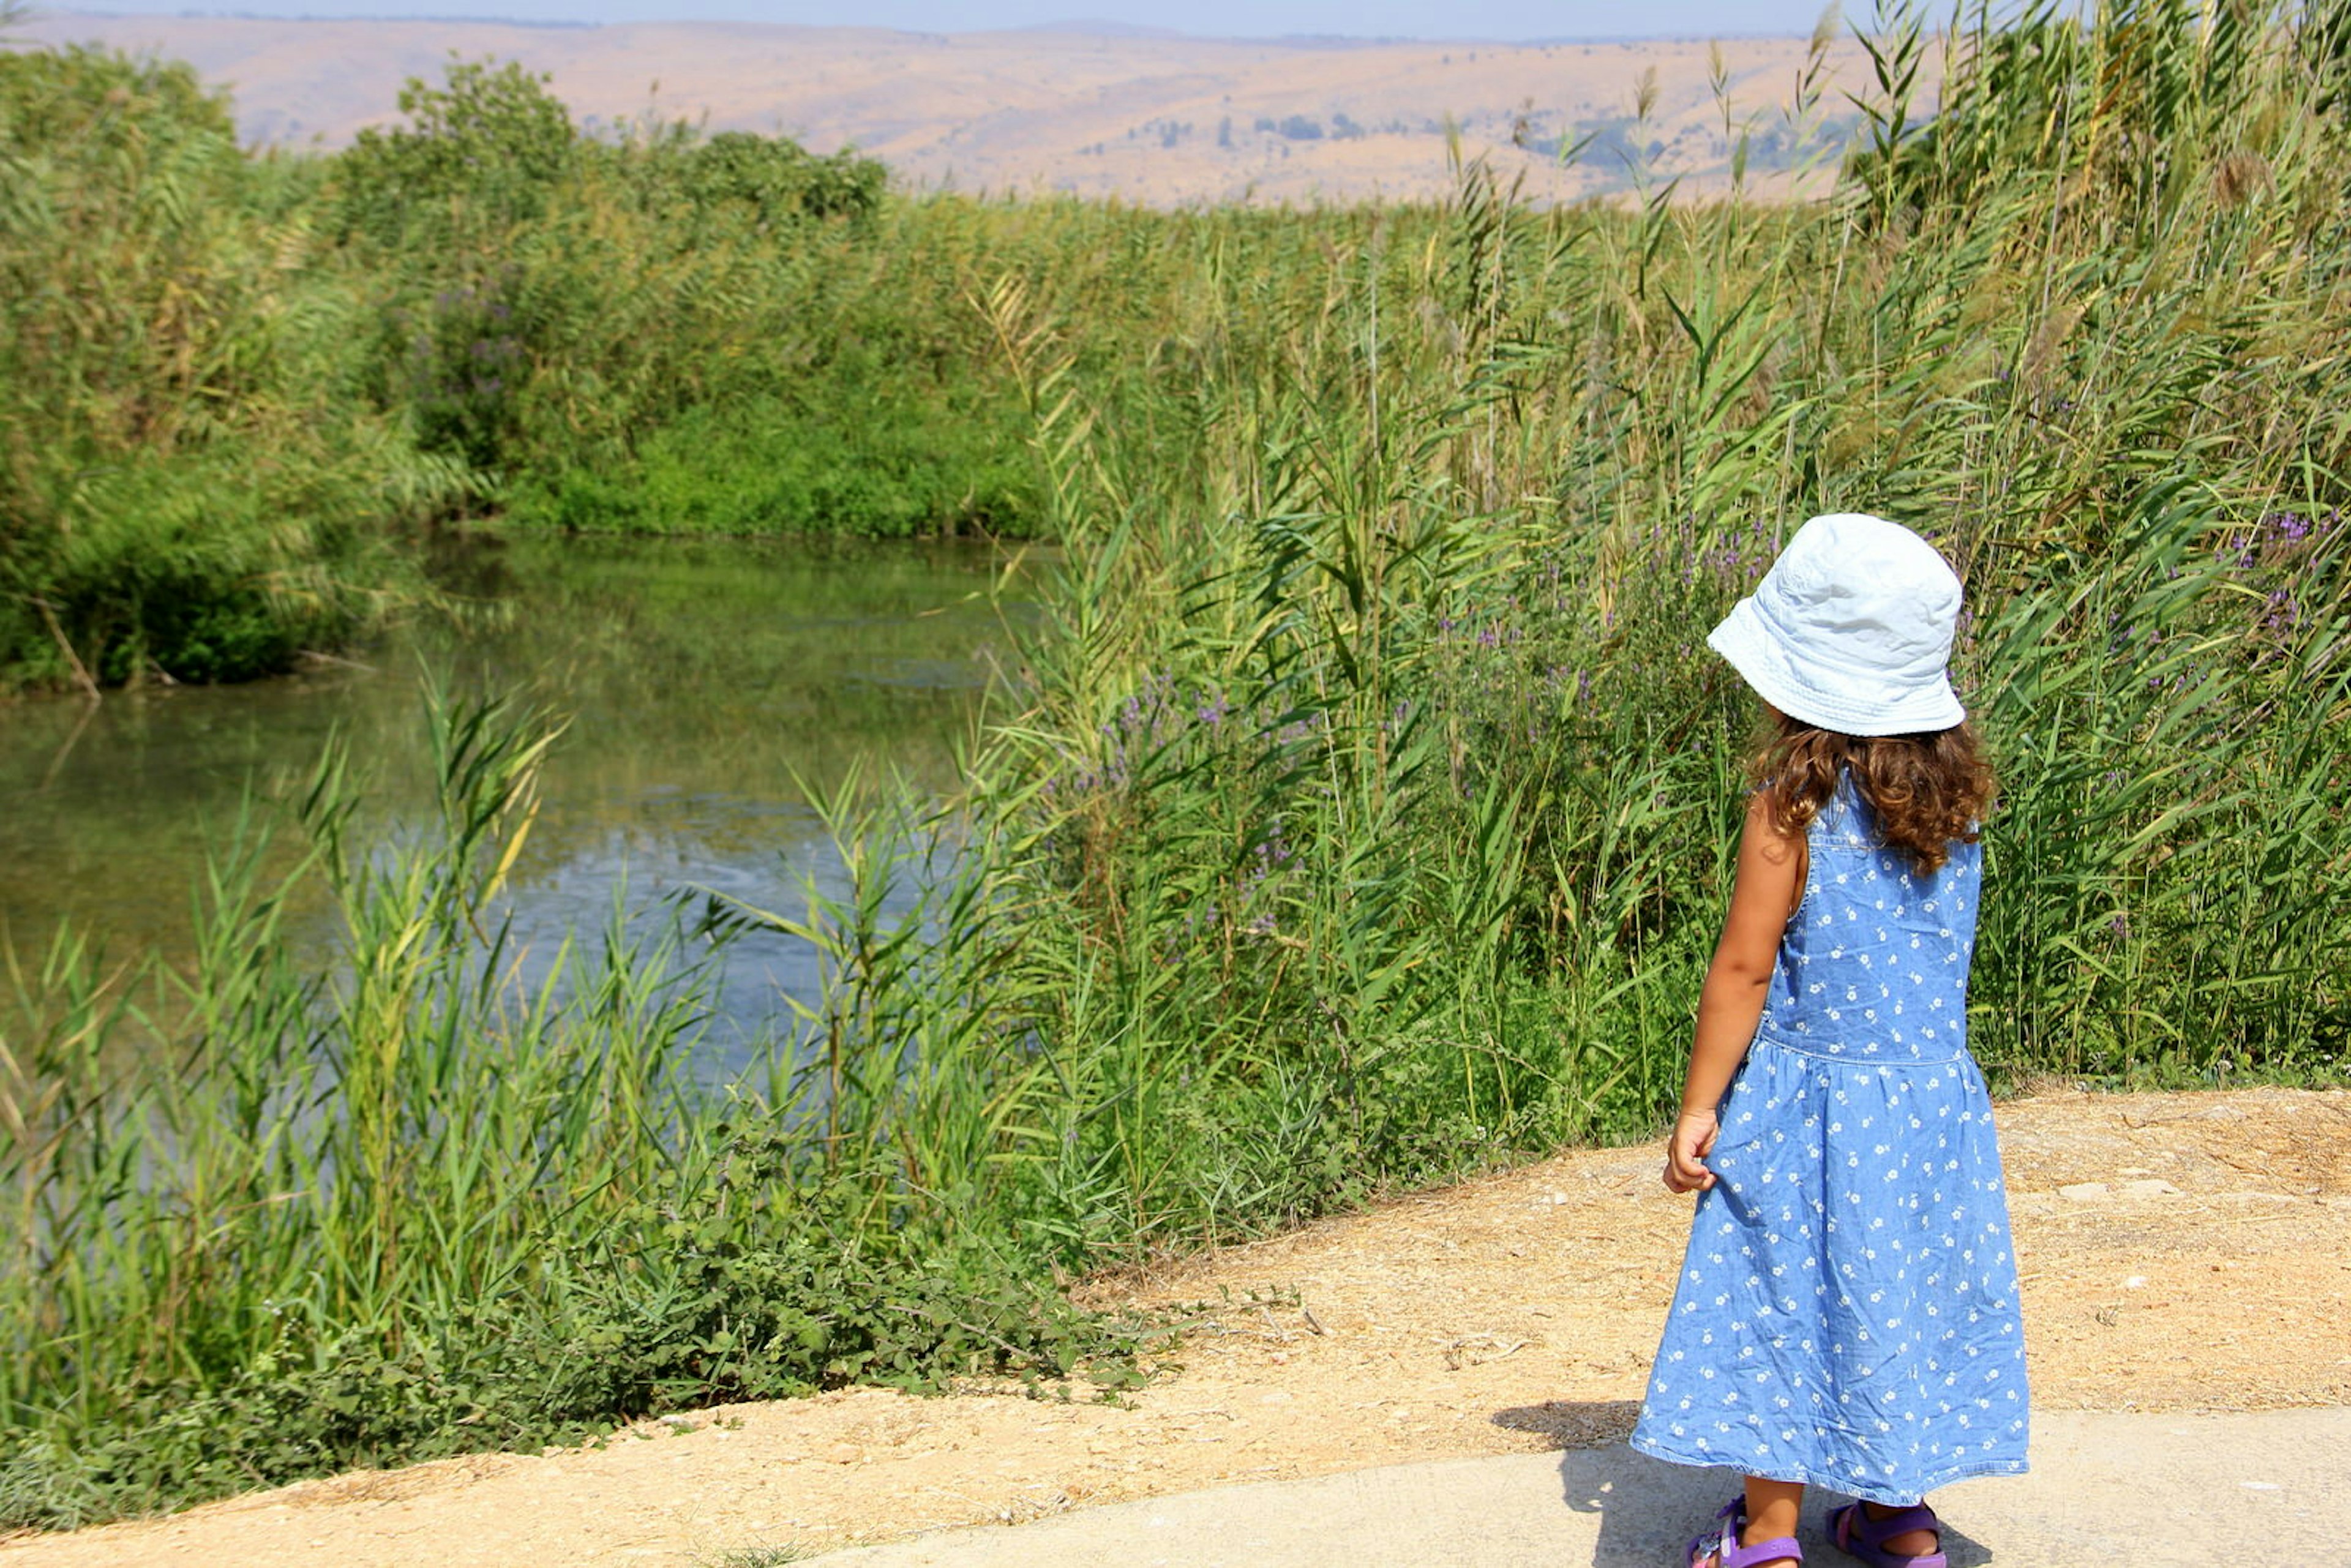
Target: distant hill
1095 27
1091 108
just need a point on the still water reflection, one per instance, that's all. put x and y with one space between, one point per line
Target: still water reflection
710 686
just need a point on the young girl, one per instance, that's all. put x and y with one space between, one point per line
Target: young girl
1848 1309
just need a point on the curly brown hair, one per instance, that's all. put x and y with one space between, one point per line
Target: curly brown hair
1927 791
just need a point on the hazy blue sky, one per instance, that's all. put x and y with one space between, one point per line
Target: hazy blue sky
1249 18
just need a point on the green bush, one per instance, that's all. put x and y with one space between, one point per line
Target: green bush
907 467
180 489
777 180
486 149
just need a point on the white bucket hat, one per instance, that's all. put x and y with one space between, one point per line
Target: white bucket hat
1851 629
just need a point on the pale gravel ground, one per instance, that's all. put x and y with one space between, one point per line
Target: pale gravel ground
2180 1253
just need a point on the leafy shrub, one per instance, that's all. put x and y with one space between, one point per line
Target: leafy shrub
909 468
183 488
459 363
484 149
778 181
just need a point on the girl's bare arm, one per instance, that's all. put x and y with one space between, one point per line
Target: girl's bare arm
1770 879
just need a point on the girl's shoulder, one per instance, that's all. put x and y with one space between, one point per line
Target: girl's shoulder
1845 817
1847 826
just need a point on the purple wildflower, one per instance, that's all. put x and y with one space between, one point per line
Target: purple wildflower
2283 613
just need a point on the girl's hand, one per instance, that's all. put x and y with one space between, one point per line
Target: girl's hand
1692 1141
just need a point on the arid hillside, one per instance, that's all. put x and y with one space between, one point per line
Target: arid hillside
1154 119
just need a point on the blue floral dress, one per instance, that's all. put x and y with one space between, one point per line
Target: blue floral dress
1848 1309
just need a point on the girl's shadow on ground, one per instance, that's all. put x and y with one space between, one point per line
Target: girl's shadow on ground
1649 1509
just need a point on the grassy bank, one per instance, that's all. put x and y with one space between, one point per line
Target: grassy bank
1361 812
265 1223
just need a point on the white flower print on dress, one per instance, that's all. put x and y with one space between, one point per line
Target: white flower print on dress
1856 1147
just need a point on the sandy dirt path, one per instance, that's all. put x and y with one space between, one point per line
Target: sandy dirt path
2179 1252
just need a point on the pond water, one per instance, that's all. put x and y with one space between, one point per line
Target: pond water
710 686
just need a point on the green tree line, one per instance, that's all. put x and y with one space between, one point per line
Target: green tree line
240 386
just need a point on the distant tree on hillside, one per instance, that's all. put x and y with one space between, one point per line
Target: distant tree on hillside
491 137
781 180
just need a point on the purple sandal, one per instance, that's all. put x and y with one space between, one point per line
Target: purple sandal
1722 1541
1858 1535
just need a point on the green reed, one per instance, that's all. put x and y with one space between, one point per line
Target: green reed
266 1223
1486 474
